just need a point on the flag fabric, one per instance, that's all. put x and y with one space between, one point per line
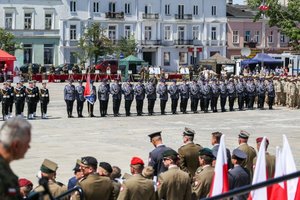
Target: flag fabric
220 180
263 7
87 90
260 174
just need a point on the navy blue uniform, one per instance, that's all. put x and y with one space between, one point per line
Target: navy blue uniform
139 91
116 92
80 99
127 90
151 96
162 90
174 96
156 159
184 91
69 96
103 96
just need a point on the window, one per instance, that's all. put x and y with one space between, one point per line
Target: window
48 53
196 32
195 11
270 37
48 21
247 36
282 38
27 53
127 8
27 20
96 7
181 11
167 58
167 33
127 33
214 10
167 9
112 35
73 35
182 58
213 33
8 20
181 33
148 9
235 37
112 7
73 6
147 33
257 36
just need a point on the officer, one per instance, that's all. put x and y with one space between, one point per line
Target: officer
231 94
215 93
31 99
15 132
201 99
18 94
194 93
240 90
251 92
223 94
69 96
139 91
184 92
150 90
137 187
155 156
162 90
24 96
103 95
170 181
116 93
271 93
77 175
278 89
11 99
261 93
206 94
80 98
91 99
37 97
5 98
44 99
188 153
174 96
127 90
238 176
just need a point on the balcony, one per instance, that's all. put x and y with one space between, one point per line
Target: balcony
150 16
183 42
184 16
31 33
150 42
114 15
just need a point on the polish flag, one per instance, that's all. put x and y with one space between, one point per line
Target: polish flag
220 180
87 90
260 174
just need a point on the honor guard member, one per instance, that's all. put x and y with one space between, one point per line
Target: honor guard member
80 98
203 178
174 183
261 93
155 156
162 90
127 90
103 95
238 176
11 99
18 94
5 98
94 186
174 96
248 150
194 93
184 92
231 94
215 92
251 91
189 152
206 94
200 84
31 99
44 99
69 96
37 97
92 99
116 93
48 172
240 90
24 96
150 90
137 186
15 136
271 93
139 91
223 94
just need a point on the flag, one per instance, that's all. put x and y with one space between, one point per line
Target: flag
260 174
263 7
220 180
87 90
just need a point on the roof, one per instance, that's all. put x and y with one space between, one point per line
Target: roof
238 11
4 56
132 58
218 59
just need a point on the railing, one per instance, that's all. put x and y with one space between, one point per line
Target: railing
114 15
150 15
150 42
184 16
183 42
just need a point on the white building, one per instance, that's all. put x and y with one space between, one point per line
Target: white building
169 33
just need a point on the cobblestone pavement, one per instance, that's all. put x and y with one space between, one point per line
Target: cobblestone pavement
117 139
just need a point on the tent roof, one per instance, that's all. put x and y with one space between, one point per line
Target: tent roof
261 57
4 56
218 59
132 58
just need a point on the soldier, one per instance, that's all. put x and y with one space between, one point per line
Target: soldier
194 93
11 99
15 132
91 99
284 91
174 96
162 90
103 95
44 99
215 92
139 91
288 92
69 96
206 94
155 156
115 176
150 90
80 98
251 91
203 178
137 187
37 97
127 90
77 176
188 153
5 98
240 90
292 94
18 94
261 93
271 93
170 181
200 84
24 96
116 93
184 96
223 94
278 90
231 94
31 99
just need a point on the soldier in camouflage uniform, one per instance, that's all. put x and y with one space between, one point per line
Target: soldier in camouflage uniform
292 93
284 90
278 90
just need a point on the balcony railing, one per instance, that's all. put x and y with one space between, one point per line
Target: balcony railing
184 16
183 42
150 15
150 42
114 15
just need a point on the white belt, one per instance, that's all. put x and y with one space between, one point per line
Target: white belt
5 96
17 95
45 95
12 94
31 95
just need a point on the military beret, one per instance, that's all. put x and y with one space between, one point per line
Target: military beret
188 132
106 166
244 134
259 139
170 153
48 166
206 152
89 161
136 161
239 154
152 135
23 182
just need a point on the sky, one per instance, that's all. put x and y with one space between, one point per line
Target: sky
241 2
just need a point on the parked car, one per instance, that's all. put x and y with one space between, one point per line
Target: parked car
113 64
63 68
35 68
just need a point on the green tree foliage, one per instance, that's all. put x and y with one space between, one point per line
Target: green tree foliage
127 46
7 42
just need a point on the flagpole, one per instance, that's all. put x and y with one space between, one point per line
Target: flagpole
263 44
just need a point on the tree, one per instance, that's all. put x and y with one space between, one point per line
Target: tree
127 46
7 42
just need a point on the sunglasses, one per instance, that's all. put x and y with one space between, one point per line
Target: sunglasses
164 159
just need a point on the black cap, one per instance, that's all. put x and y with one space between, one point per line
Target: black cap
206 152
188 132
77 166
89 161
239 154
152 135
106 166
170 153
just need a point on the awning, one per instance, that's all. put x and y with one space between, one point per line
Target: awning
4 56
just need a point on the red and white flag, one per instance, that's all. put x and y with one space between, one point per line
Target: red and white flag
263 7
260 174
220 180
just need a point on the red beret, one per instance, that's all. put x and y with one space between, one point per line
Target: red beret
136 161
23 182
259 139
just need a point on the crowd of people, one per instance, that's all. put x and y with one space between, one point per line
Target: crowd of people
183 174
